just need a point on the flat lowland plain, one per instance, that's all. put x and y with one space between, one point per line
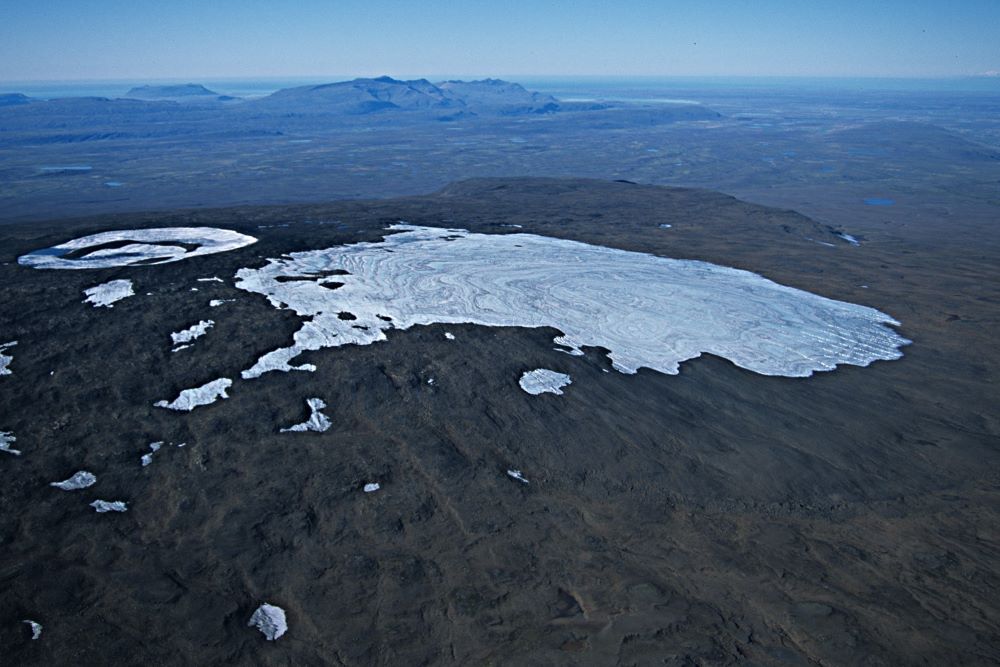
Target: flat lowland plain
712 517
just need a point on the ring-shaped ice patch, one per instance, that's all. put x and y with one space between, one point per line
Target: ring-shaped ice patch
135 246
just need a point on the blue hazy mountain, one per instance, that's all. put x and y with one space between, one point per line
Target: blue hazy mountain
381 94
360 96
184 90
14 99
450 100
500 96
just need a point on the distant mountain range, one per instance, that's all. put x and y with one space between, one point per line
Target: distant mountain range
365 96
383 96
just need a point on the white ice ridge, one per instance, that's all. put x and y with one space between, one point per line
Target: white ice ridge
270 620
192 332
102 506
544 381
79 480
215 303
213 279
189 399
108 293
648 311
317 420
6 437
136 246
5 359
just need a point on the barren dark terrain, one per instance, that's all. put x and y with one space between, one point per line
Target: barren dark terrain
713 517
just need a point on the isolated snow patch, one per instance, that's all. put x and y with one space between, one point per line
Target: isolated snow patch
189 399
193 332
516 474
79 480
148 458
102 506
317 420
36 628
270 620
544 381
5 359
106 294
6 437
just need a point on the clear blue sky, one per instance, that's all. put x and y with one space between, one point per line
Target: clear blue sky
139 39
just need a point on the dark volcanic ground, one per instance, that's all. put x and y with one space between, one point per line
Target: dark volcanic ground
713 517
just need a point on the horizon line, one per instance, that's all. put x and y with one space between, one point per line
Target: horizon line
992 74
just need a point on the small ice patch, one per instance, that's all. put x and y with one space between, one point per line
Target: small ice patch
317 420
189 399
544 381
79 480
102 506
36 628
5 359
213 279
270 620
108 293
148 458
6 437
180 347
215 303
516 474
372 487
665 226
192 332
850 239
449 335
